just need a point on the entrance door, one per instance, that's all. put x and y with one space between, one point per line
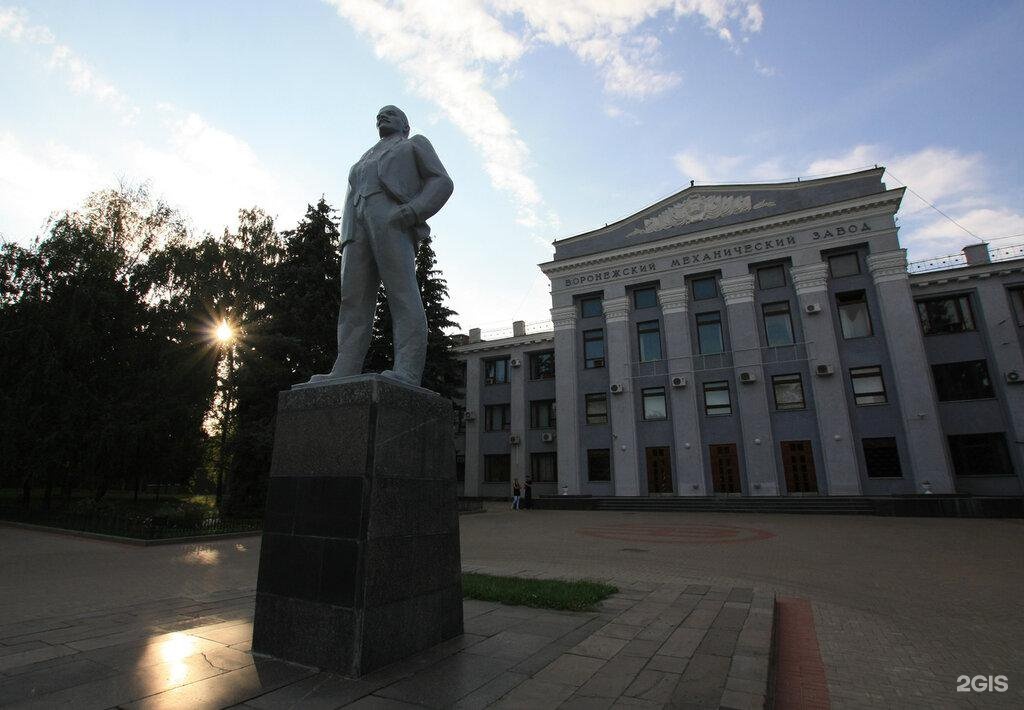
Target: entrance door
798 463
659 470
725 468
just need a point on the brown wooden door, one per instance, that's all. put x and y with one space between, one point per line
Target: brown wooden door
798 463
659 470
725 468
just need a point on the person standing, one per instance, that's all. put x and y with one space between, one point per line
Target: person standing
527 494
515 494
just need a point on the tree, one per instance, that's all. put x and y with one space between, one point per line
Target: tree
441 373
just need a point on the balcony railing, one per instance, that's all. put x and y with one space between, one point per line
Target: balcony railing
957 261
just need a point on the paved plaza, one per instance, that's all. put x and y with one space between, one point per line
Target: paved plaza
887 611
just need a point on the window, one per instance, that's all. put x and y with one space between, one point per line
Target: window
853 314
844 265
648 335
709 333
542 366
593 348
949 314
460 468
544 467
716 398
496 371
704 289
980 455
868 387
599 464
778 327
789 391
591 307
497 417
962 380
654 403
882 458
771 277
597 408
497 468
1017 300
542 414
645 298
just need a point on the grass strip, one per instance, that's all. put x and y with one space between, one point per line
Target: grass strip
578 595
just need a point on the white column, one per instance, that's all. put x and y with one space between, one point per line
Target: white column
621 407
567 426
689 458
839 452
474 465
751 402
914 387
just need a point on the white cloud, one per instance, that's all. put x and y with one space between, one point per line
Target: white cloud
78 74
457 53
764 69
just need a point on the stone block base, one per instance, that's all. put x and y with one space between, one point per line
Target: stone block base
360 564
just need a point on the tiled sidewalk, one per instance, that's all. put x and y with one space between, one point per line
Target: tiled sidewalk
680 646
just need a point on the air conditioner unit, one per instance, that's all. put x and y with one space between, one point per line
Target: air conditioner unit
616 389
813 308
1014 378
515 362
469 416
514 439
823 370
678 381
748 377
547 437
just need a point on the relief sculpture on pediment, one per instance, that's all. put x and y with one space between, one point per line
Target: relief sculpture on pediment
699 208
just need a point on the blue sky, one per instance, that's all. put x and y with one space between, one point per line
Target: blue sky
552 117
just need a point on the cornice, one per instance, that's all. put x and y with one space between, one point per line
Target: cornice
737 289
782 223
888 265
966 273
674 300
505 343
810 278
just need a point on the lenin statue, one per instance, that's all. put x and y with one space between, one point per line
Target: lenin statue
392 191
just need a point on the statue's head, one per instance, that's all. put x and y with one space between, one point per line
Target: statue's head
391 119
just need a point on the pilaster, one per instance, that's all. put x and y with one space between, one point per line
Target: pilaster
518 409
913 385
751 400
474 464
689 459
621 406
567 425
838 448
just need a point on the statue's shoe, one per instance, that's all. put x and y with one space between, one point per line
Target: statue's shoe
322 378
400 377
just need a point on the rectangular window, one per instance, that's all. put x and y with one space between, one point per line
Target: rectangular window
709 333
593 348
544 467
716 398
771 277
460 468
645 298
590 307
853 314
704 289
542 414
497 417
599 464
597 408
948 314
778 327
868 387
497 468
496 371
654 403
962 380
542 365
648 335
980 455
789 391
1017 301
882 458
844 265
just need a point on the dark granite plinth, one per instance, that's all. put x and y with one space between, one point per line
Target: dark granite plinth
360 560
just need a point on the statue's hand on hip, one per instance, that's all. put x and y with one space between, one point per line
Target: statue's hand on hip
403 217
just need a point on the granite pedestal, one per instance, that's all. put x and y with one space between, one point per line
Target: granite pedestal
360 560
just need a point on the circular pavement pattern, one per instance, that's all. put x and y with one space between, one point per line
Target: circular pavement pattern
689 533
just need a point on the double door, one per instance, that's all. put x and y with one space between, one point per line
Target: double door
725 469
798 465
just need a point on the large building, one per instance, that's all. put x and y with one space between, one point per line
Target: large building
756 340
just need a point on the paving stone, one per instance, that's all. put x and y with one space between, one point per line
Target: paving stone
551 626
322 691
612 679
22 647
376 702
490 623
490 692
719 642
570 669
734 700
536 695
683 642
579 702
741 594
641 647
620 631
10 663
658 631
697 589
652 685
667 664
703 681
48 680
597 646
731 618
749 668
442 684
